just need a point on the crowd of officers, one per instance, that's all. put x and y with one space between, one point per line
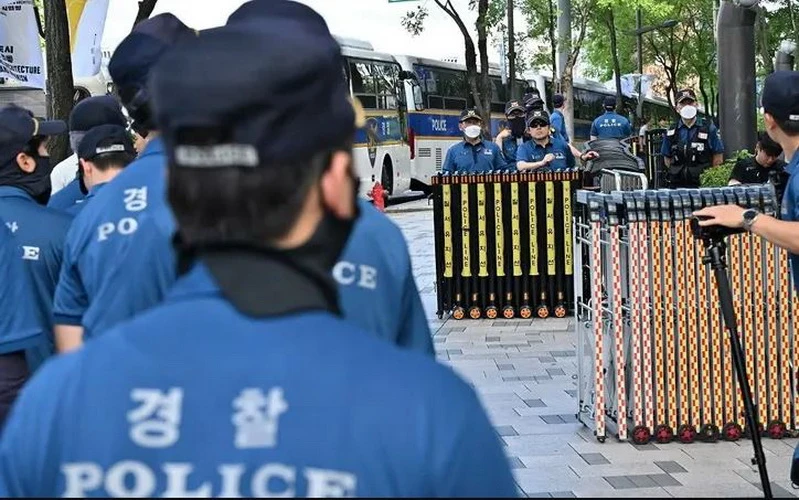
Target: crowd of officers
208 308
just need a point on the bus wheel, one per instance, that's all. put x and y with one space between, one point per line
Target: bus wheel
387 176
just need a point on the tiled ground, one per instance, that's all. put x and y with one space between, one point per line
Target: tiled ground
526 374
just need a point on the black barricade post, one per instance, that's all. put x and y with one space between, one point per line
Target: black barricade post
655 169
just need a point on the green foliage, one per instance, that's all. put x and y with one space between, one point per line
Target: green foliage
720 175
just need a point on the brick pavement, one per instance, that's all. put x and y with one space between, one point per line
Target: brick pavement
525 372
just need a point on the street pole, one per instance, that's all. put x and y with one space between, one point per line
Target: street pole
511 54
640 44
564 35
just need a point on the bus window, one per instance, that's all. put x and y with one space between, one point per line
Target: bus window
364 86
442 88
498 96
387 80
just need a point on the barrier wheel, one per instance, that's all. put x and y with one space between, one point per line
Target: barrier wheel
641 434
475 312
560 312
525 312
508 312
664 434
709 433
601 439
686 433
458 313
731 431
491 312
776 429
543 312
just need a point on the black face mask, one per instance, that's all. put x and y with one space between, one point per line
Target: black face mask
517 126
37 183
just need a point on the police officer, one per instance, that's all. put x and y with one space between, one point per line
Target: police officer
780 101
24 188
472 155
68 186
546 150
515 134
557 119
258 300
610 125
103 152
96 288
23 324
691 145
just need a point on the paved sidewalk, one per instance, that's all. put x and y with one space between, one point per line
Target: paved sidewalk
526 374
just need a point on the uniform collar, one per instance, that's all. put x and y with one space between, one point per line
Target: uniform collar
535 144
681 124
468 144
93 191
14 192
154 147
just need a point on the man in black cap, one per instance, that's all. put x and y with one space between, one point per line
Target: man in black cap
610 125
68 186
473 154
780 101
691 145
515 134
765 166
24 191
296 401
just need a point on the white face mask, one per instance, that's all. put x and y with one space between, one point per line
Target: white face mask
688 112
473 131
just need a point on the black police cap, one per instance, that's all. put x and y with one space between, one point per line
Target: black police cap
105 139
539 116
258 10
609 102
686 95
94 111
18 126
470 113
257 106
780 97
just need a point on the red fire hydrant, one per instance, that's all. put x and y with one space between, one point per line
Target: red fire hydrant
378 195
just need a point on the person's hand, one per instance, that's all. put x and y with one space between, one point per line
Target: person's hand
589 155
721 215
504 134
549 158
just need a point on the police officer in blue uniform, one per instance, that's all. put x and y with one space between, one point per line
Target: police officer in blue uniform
24 189
96 288
780 101
546 150
473 154
300 402
103 152
691 145
610 125
557 119
23 324
88 113
515 134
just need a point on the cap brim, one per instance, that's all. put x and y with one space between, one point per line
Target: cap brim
685 98
51 127
476 117
515 108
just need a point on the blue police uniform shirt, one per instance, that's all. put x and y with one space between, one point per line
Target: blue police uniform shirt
531 151
790 208
367 420
23 322
77 207
686 135
377 290
510 150
67 197
464 157
99 285
611 125
40 233
558 123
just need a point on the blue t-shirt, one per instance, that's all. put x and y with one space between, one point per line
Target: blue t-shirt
687 135
142 412
611 125
40 233
376 285
77 207
67 197
531 151
510 150
100 284
790 208
464 157
23 323
557 121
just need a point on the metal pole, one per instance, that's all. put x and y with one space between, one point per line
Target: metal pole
511 54
640 45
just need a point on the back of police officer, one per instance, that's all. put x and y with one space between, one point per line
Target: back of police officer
24 190
610 125
245 382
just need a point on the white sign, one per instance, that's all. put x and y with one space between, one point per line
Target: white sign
20 52
86 26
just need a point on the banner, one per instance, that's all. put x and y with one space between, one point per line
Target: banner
86 25
20 50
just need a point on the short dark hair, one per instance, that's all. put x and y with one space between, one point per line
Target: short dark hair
242 205
790 127
768 145
107 161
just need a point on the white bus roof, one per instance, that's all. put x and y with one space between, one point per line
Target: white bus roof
493 68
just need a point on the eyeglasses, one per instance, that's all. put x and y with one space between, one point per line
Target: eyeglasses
539 125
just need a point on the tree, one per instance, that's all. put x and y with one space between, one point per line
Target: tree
59 71
541 26
611 24
146 8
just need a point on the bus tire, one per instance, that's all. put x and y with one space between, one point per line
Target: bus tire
387 176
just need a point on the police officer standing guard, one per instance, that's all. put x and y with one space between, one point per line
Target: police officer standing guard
472 155
515 134
259 301
610 125
557 118
546 150
691 145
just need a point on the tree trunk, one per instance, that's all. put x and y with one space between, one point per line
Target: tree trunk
766 52
145 9
553 45
567 89
484 101
60 87
511 54
614 51
703 91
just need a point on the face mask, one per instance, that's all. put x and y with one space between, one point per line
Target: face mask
37 184
472 131
688 112
517 126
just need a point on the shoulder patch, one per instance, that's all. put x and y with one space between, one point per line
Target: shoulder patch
670 132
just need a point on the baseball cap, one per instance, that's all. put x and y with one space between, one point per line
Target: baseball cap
470 113
248 111
537 116
94 111
780 97
686 94
512 106
609 102
105 139
18 126
558 100
255 10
